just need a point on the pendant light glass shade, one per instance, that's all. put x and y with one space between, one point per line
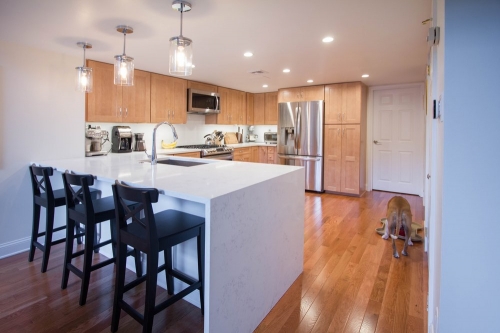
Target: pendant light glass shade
180 61
181 56
83 76
124 65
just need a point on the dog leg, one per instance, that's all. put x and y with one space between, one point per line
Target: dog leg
386 230
407 239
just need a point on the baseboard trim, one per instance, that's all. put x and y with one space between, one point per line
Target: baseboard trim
11 248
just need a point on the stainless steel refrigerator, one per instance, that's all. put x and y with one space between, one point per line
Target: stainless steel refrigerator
300 139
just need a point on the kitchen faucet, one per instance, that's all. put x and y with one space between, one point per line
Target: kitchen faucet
153 151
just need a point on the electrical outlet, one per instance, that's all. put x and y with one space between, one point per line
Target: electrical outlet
426 239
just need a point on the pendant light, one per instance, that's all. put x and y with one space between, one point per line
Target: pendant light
84 74
124 65
181 48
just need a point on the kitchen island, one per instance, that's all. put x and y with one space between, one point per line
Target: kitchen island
254 217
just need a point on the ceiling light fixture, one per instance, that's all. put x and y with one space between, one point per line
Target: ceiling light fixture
181 48
248 54
310 81
327 39
365 75
286 70
124 65
84 74
265 86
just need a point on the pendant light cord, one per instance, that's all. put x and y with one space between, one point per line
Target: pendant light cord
84 47
124 40
182 12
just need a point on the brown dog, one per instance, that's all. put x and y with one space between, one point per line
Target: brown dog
398 213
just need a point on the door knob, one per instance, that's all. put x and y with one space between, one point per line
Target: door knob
428 176
376 142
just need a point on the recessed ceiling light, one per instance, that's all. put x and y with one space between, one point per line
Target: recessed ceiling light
286 70
327 39
265 86
193 66
365 75
310 81
248 54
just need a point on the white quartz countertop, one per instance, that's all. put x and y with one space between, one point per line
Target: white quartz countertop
251 144
198 183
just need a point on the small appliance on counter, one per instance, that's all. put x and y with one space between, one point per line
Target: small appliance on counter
140 144
95 137
251 137
121 139
271 137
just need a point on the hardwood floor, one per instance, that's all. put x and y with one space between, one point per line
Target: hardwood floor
350 283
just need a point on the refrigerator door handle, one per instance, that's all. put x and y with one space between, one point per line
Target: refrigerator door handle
300 158
298 129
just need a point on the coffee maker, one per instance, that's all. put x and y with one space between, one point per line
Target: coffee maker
140 144
121 140
95 137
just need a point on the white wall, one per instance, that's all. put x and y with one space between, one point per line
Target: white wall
469 297
40 114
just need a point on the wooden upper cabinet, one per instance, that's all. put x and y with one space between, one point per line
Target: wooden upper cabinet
344 103
242 108
271 109
202 86
232 108
103 103
259 108
249 109
168 99
111 103
300 94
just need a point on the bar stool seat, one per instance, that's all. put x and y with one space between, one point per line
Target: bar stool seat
81 208
152 233
45 196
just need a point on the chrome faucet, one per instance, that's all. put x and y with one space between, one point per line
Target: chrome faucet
153 151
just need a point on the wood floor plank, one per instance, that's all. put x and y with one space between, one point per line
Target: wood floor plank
350 282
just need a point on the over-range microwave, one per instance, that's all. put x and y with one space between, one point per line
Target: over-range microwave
203 102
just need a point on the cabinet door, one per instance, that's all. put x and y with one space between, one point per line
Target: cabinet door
271 109
136 99
259 108
201 86
262 154
242 108
249 108
104 102
351 100
314 93
255 154
333 103
289 95
271 155
333 151
168 99
350 159
225 106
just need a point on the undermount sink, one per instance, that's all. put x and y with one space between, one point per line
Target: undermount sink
179 162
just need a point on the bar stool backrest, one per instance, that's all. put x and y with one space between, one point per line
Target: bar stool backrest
40 181
80 194
143 197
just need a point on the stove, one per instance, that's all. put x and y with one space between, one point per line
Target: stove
221 152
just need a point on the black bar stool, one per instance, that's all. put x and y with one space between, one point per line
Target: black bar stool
45 196
80 208
152 234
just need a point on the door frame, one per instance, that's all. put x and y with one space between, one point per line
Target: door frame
369 128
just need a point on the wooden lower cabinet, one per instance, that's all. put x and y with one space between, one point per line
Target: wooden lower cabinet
344 164
255 154
195 154
267 155
242 154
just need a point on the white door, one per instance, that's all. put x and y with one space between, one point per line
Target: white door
398 140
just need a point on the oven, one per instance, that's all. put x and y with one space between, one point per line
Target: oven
214 152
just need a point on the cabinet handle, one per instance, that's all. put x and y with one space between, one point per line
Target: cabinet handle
338 131
173 113
168 117
343 117
339 115
120 112
126 112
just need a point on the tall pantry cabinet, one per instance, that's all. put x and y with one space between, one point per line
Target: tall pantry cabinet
345 138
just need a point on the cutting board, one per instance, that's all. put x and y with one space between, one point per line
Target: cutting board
230 138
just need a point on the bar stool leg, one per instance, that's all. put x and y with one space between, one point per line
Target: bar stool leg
34 231
152 276
138 263
87 261
68 253
121 263
200 242
48 236
168 270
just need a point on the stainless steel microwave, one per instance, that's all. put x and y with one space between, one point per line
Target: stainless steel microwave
271 137
203 102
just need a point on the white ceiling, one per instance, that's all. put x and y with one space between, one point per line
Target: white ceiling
384 38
